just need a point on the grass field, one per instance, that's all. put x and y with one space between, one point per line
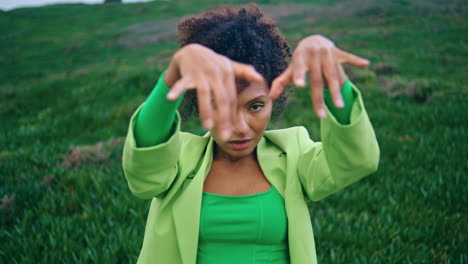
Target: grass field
72 75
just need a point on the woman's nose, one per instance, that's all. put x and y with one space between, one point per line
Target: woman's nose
240 124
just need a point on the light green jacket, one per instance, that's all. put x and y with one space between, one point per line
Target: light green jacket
172 174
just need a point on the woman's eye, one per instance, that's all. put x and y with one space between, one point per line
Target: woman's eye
256 107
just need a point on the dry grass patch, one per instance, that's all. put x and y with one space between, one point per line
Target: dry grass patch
99 153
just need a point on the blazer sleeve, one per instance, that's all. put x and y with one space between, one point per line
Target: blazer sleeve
346 154
150 171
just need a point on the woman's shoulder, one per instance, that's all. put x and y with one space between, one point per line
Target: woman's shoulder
283 133
287 139
190 139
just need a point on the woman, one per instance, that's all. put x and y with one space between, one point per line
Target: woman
239 194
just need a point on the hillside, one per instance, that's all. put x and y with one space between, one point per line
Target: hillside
72 75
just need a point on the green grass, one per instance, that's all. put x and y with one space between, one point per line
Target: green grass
65 83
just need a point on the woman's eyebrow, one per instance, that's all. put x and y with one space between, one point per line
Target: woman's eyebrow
256 98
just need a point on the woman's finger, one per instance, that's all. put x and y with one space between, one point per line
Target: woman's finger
229 78
331 74
178 87
223 103
204 103
246 72
341 74
230 83
346 57
316 78
279 83
299 68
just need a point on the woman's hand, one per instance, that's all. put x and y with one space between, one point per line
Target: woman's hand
213 76
318 56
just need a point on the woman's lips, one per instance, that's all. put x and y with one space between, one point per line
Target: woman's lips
239 145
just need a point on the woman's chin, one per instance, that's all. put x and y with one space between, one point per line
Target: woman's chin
238 154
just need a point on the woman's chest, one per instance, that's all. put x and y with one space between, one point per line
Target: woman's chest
242 179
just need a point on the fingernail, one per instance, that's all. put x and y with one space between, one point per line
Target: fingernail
340 103
299 82
322 114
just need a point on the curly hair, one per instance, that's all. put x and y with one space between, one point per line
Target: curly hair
244 35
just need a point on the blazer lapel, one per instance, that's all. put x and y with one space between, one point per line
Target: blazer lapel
186 210
272 160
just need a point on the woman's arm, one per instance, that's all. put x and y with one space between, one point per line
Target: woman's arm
152 146
346 154
156 117
349 149
153 143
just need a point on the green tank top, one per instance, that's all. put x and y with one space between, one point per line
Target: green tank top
248 229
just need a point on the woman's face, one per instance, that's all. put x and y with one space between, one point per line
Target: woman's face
252 116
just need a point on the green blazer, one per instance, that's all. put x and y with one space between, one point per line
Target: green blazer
172 174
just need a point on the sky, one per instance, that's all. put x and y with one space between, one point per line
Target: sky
11 4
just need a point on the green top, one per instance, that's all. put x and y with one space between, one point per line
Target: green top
248 229
157 114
